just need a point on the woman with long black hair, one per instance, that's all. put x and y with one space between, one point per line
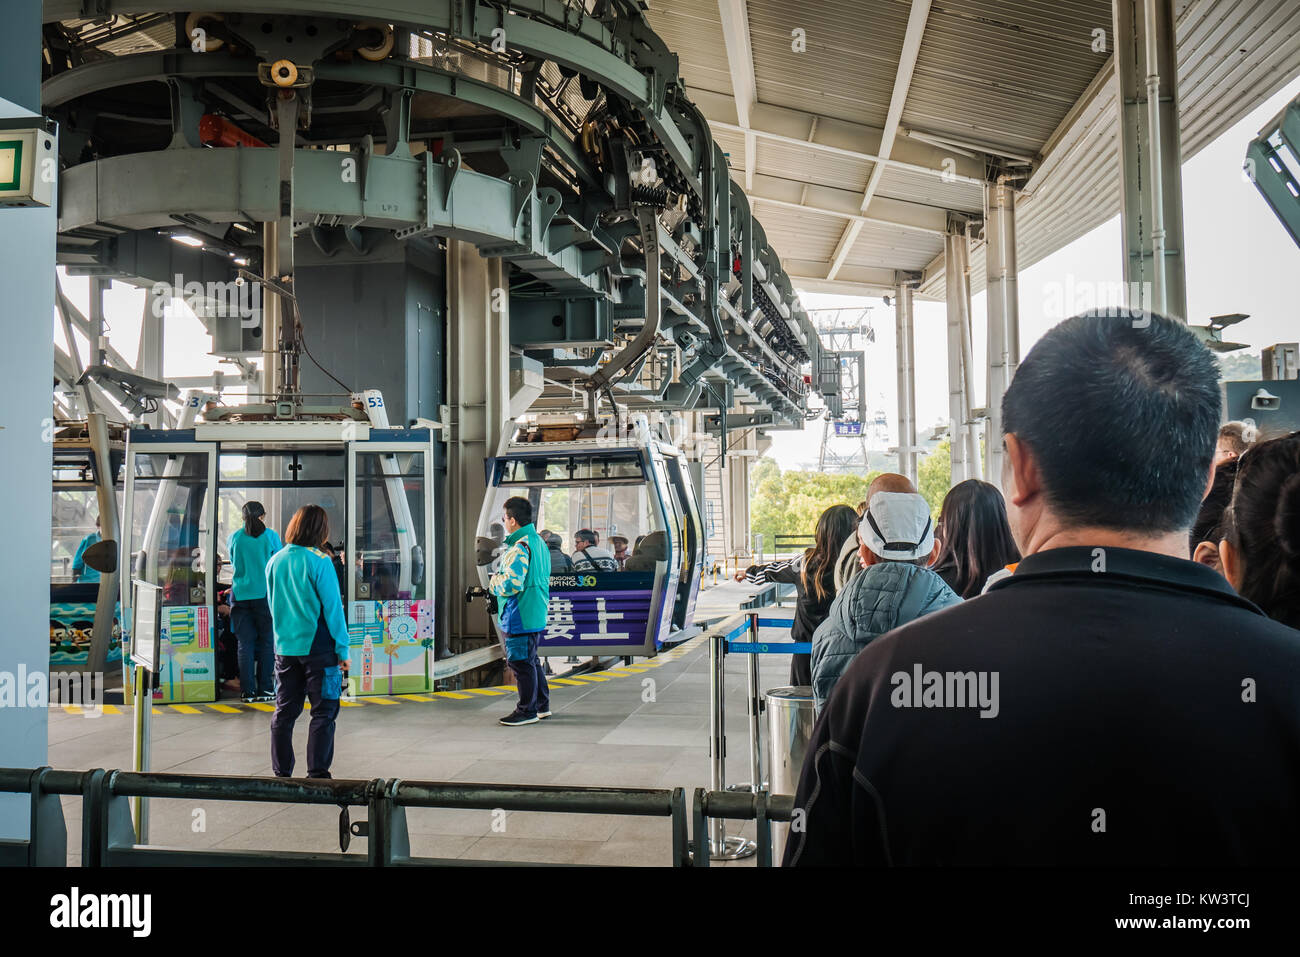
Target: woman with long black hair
251 547
975 538
813 576
1260 550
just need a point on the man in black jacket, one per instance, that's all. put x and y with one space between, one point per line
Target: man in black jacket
1109 703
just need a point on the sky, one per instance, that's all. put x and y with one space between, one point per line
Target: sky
1238 259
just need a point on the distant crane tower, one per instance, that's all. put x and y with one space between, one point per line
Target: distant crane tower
844 334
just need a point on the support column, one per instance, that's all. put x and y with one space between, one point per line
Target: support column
1003 314
478 404
906 352
1146 72
740 454
963 463
27 242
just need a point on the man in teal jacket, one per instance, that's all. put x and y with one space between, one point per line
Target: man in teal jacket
523 583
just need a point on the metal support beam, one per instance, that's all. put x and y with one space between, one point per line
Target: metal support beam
110 531
902 83
740 58
906 352
478 403
1146 72
964 461
1003 316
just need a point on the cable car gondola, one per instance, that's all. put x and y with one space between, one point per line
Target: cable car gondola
634 486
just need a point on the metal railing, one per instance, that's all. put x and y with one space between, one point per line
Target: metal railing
108 837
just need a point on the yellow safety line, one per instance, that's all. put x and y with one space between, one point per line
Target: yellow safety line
622 671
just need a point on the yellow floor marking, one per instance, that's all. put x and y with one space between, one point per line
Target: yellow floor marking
562 681
184 709
490 692
71 709
379 699
112 709
223 708
350 704
451 694
590 678
414 697
155 710
259 705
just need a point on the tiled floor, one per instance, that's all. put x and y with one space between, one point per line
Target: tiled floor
646 729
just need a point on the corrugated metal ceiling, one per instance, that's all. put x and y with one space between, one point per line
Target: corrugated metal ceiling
997 72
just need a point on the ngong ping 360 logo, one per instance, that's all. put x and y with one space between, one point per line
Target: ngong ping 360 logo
214 300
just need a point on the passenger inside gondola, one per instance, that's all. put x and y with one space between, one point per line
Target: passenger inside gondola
650 550
588 556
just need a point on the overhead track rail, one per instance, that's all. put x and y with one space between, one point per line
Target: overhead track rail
556 136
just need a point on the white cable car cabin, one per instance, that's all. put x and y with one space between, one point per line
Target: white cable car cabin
185 490
633 487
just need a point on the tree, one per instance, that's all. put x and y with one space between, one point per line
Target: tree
934 476
790 503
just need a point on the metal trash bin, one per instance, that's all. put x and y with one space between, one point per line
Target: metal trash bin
789 729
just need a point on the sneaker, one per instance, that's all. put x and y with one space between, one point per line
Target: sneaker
516 718
266 696
543 714
249 698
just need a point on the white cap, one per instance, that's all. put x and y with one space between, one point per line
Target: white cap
897 526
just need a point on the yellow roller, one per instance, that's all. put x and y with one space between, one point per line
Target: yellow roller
192 22
385 46
284 73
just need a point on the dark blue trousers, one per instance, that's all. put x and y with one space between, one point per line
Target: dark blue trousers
250 620
534 693
317 676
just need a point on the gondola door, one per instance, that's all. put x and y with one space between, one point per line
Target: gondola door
388 561
167 540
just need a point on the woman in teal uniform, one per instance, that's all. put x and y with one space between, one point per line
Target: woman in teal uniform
80 570
311 642
251 547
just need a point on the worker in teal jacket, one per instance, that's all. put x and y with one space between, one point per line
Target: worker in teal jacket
251 547
311 642
523 584
80 570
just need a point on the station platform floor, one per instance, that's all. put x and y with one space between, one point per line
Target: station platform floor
641 726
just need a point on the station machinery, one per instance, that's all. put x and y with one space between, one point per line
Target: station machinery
329 161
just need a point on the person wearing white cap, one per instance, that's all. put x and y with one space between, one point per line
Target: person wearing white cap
896 537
